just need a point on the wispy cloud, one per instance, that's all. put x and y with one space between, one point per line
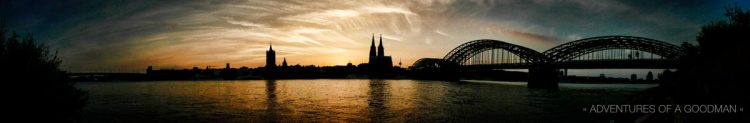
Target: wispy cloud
139 33
243 23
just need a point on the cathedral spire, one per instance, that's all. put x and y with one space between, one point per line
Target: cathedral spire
381 51
283 64
372 46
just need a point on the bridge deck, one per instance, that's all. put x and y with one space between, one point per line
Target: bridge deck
590 64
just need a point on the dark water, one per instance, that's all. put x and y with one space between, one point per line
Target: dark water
346 101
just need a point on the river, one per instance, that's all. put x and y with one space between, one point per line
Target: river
347 100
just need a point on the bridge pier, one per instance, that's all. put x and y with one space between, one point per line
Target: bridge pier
544 77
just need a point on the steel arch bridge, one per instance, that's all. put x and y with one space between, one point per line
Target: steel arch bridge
594 52
570 50
560 55
466 50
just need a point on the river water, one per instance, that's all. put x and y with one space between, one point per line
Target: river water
347 100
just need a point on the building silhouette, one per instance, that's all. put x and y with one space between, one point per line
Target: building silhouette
372 49
270 57
379 64
381 50
270 70
283 64
228 73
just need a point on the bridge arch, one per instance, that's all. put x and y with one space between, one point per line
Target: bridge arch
429 63
465 51
544 67
580 47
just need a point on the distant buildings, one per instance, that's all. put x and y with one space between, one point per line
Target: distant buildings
378 66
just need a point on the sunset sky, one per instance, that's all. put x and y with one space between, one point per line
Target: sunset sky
128 35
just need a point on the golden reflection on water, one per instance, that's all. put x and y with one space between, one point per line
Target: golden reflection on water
261 100
326 100
340 100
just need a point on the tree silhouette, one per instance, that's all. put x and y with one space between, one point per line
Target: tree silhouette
713 72
722 63
37 89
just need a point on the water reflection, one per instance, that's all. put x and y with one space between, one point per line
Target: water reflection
272 104
335 101
376 103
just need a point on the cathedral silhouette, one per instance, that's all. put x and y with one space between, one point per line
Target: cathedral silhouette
379 64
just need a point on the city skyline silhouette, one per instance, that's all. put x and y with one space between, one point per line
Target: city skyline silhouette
375 61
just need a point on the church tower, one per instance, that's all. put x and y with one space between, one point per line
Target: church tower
372 49
381 50
283 64
270 57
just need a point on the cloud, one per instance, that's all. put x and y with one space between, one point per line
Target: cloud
135 34
442 33
324 17
309 31
386 9
243 23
